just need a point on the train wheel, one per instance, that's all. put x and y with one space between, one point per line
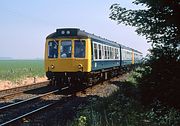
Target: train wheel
52 81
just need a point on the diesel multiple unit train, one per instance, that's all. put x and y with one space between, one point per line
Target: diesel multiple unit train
73 56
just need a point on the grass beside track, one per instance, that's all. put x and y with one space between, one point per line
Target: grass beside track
124 108
13 70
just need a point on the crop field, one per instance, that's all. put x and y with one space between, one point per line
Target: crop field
13 70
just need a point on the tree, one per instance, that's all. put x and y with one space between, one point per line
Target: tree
160 24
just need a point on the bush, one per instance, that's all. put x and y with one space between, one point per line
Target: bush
161 81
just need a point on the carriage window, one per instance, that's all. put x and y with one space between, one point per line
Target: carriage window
118 53
100 57
113 53
66 47
79 48
105 48
128 55
108 53
52 49
102 52
95 51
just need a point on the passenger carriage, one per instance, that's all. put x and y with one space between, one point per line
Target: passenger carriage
73 55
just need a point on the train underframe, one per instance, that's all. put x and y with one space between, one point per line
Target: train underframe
75 79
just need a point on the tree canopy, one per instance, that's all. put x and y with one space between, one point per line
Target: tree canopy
159 22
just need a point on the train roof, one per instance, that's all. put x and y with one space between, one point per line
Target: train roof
76 32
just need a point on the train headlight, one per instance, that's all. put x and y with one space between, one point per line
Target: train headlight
62 32
80 67
52 66
68 32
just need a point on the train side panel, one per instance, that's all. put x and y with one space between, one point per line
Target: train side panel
137 57
104 55
127 56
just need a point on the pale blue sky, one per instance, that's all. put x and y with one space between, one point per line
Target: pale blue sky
24 24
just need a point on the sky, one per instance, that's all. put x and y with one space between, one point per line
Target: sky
24 25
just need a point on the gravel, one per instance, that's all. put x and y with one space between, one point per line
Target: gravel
66 110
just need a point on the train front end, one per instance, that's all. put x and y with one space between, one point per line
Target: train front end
67 56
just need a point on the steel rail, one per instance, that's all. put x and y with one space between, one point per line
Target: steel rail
27 100
34 111
22 87
27 114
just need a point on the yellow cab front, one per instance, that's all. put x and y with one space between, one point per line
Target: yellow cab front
68 55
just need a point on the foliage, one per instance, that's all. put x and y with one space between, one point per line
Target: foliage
81 121
136 75
161 83
18 69
160 24
124 108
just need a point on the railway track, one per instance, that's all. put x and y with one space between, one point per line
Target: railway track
11 113
11 100
19 90
15 113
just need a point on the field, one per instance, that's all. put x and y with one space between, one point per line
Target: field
14 70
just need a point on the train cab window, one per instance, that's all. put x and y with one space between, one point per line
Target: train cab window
52 49
95 51
66 48
79 49
100 52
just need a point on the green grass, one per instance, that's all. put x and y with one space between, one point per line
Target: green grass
13 70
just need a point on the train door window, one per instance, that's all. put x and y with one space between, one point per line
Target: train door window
66 48
116 53
52 49
79 49
105 48
95 51
100 51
